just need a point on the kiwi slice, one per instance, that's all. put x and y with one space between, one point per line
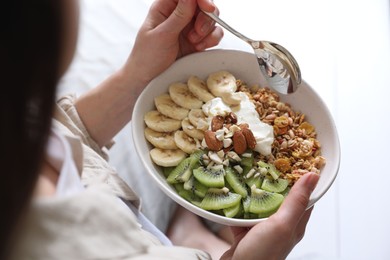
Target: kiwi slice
216 199
231 212
196 187
286 191
264 203
271 169
255 180
210 177
272 185
246 164
183 171
187 194
236 181
167 171
246 203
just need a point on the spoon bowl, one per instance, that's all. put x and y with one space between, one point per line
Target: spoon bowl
276 63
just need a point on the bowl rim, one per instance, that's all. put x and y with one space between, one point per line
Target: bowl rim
169 190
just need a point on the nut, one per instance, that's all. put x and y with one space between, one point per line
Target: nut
249 137
217 123
212 142
239 142
231 118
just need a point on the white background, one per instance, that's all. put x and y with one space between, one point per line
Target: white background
343 49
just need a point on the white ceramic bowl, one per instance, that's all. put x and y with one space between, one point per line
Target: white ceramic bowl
244 66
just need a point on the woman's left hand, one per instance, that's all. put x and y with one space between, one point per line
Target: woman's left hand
172 29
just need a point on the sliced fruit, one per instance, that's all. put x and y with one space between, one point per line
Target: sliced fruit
264 202
246 202
216 199
199 88
221 82
254 180
167 170
187 194
163 140
231 212
236 182
182 96
167 158
183 171
210 177
271 169
185 142
160 123
272 185
198 119
247 162
196 187
167 107
191 130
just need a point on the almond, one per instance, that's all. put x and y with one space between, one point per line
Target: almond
231 118
249 137
239 142
212 142
217 123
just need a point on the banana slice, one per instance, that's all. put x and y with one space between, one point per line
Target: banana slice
221 82
186 143
167 107
160 140
167 158
182 96
232 99
198 119
160 123
199 88
190 130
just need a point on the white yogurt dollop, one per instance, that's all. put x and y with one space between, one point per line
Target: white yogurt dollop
246 113
264 133
216 107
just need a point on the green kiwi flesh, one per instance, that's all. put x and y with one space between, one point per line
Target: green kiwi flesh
272 185
236 181
232 212
183 171
219 199
264 202
210 177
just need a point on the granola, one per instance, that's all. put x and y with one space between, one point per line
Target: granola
295 150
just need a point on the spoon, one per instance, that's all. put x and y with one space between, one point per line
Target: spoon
277 64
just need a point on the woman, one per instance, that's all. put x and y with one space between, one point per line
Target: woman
50 212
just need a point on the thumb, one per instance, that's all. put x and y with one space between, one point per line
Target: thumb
297 200
181 16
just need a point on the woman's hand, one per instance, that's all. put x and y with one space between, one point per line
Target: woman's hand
172 29
277 236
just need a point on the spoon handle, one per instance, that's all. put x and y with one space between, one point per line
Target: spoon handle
228 27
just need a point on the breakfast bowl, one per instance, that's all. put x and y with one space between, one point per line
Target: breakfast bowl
243 66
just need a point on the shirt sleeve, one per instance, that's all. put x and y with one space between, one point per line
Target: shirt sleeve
69 117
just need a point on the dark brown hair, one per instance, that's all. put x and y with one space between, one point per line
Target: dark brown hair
30 48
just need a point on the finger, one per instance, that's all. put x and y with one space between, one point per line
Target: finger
206 5
210 40
301 227
297 200
239 232
180 17
203 25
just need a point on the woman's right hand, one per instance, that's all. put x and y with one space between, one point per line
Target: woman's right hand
277 236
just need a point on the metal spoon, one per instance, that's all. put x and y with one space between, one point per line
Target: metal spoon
279 67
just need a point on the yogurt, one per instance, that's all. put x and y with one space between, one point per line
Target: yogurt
246 113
